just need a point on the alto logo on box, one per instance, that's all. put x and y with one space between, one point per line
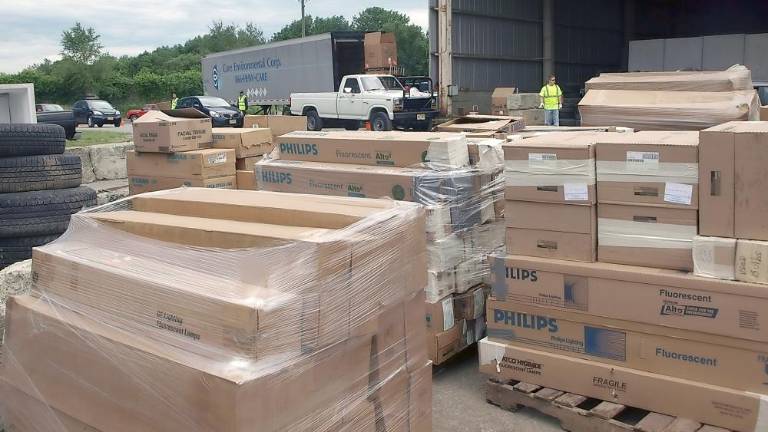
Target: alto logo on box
299 149
268 176
523 320
674 308
521 274
384 158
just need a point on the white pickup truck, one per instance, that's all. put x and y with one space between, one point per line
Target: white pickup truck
383 100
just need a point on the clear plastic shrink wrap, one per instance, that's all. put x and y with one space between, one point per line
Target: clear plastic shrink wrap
216 310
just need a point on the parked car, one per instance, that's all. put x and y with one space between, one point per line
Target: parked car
221 112
135 113
55 114
380 99
95 112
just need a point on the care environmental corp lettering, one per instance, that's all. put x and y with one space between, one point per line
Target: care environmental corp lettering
252 71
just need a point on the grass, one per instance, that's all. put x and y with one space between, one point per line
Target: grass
89 138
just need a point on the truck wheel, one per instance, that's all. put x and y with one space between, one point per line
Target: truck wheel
380 122
31 173
39 213
352 125
118 123
314 122
31 139
423 126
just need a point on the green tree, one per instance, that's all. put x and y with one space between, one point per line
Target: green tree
376 18
412 42
314 26
81 44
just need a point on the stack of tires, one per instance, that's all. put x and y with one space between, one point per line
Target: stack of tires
39 188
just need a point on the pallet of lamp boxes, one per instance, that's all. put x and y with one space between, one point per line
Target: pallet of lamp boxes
455 178
179 148
220 310
600 301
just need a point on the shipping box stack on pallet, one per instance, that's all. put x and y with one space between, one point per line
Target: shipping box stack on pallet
220 310
456 179
507 101
635 328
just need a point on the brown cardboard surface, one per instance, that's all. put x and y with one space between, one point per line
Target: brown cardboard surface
247 164
142 184
246 180
550 217
499 97
172 131
720 406
718 360
714 257
716 181
25 413
478 123
625 178
751 178
360 181
443 345
764 113
395 148
646 236
531 116
471 304
713 81
247 142
752 261
197 164
420 395
653 296
277 124
59 354
440 315
552 244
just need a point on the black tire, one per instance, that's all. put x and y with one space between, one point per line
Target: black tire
31 139
70 132
380 122
314 122
33 173
423 126
100 124
118 123
13 250
39 213
352 125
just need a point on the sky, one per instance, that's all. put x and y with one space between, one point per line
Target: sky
31 29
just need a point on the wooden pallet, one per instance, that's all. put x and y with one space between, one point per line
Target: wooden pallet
578 413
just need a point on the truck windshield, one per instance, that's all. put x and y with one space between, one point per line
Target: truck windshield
373 83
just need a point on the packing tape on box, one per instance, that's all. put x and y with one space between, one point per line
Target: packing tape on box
624 233
549 172
658 172
714 257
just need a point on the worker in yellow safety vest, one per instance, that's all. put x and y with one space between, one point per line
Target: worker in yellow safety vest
174 101
551 97
242 102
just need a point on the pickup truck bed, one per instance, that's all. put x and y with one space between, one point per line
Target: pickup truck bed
65 119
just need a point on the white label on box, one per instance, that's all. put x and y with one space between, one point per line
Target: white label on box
216 159
678 193
576 191
448 314
643 160
542 157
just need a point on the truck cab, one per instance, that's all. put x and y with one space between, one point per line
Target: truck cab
382 100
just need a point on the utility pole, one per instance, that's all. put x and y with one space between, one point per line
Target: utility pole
303 23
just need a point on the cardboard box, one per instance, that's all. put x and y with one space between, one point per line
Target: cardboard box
702 357
140 184
440 284
764 113
444 345
523 101
531 116
394 149
499 98
733 178
277 124
246 142
471 304
196 164
551 230
714 257
713 405
649 168
172 131
653 296
247 164
380 50
420 397
25 413
440 315
482 126
646 236
60 354
246 180
735 78
752 261
555 167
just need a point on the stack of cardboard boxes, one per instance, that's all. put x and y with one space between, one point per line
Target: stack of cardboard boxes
460 195
623 333
200 310
507 102
249 146
380 50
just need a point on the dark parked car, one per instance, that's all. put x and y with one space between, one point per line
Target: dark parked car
222 114
94 112
55 114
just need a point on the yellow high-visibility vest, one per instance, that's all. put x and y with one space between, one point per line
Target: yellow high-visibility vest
241 103
551 95
174 101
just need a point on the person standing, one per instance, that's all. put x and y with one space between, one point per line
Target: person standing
551 97
174 101
242 102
